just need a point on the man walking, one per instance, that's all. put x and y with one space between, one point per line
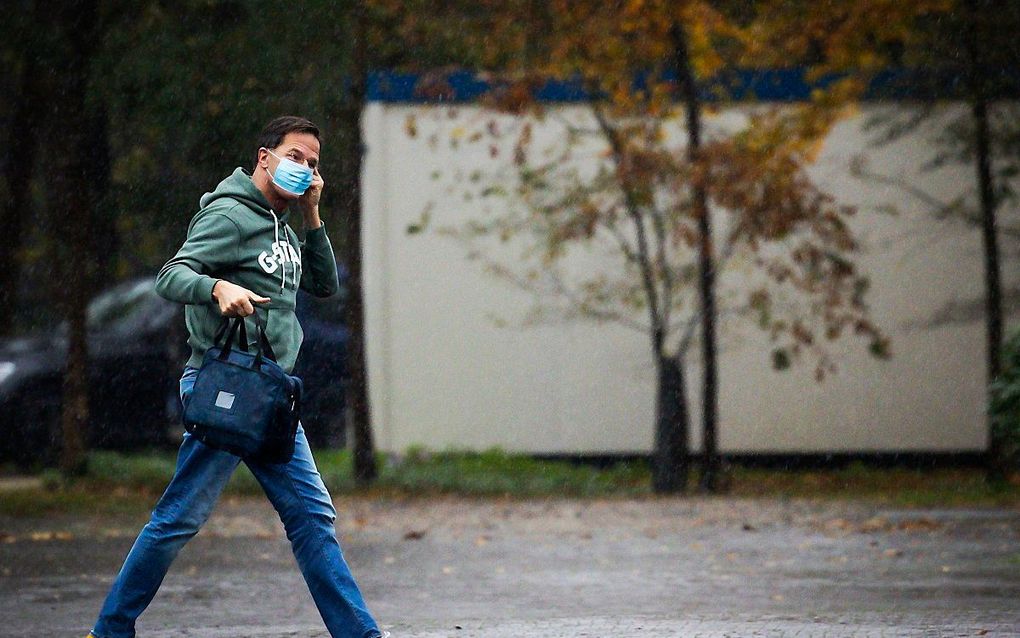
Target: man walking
241 257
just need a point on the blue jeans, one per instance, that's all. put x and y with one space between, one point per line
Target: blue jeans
299 496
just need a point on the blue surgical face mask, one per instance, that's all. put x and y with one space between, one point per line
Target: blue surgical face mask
290 176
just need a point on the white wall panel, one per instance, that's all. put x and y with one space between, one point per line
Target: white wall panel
444 375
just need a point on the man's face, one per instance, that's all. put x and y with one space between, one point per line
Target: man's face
303 148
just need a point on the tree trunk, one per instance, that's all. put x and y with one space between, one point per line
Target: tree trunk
348 125
20 148
69 200
104 242
706 259
670 466
977 85
75 415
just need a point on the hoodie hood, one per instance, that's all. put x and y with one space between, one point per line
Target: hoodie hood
239 187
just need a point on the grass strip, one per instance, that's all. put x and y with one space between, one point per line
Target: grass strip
117 481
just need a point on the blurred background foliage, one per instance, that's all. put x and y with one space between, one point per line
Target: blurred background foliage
1004 402
179 91
183 88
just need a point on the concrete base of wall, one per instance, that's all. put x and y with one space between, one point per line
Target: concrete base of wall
804 460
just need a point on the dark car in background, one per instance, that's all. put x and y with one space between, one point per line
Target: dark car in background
137 345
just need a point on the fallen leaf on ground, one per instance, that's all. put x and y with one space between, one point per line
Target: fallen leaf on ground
875 524
51 536
918 525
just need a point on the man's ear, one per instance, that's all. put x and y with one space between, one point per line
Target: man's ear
263 158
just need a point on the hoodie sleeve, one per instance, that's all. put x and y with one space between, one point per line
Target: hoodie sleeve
318 265
212 245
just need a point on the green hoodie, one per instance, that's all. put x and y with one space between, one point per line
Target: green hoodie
237 237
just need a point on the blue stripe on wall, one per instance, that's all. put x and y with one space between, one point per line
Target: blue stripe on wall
775 85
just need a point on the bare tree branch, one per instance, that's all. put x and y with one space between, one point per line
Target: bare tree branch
658 329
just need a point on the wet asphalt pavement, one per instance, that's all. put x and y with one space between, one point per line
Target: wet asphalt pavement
494 568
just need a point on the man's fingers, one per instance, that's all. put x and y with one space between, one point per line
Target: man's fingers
239 301
254 296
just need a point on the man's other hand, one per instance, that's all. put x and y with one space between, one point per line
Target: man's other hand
234 300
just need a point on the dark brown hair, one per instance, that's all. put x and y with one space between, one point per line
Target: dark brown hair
274 132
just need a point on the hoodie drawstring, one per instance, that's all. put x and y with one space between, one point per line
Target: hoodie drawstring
285 256
297 264
276 246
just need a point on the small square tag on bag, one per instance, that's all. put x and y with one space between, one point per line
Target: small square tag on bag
224 400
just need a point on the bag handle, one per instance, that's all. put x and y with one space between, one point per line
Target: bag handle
221 332
236 327
265 348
